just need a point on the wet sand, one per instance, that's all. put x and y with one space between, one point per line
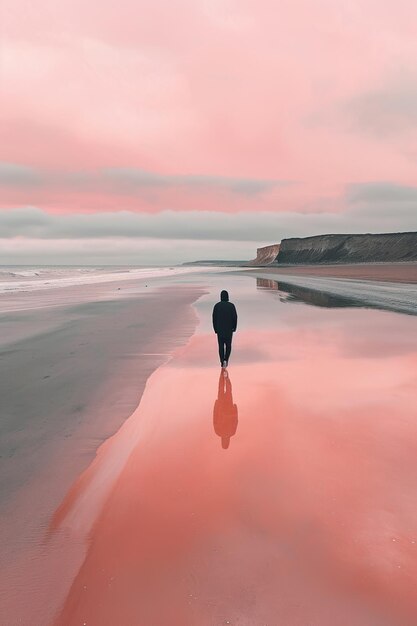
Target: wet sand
385 272
329 291
286 498
73 366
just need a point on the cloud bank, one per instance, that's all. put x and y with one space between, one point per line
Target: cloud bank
128 180
386 110
116 188
175 236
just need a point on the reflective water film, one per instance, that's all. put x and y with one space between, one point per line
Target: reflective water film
279 492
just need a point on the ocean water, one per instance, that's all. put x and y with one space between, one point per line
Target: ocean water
34 278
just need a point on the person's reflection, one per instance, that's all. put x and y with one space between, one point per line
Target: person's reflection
224 411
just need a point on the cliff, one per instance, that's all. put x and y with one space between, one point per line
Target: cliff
388 248
266 255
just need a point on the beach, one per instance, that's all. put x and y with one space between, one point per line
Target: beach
386 286
380 272
141 485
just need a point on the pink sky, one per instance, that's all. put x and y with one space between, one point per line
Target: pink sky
206 105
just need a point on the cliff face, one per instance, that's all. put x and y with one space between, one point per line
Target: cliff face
266 255
390 247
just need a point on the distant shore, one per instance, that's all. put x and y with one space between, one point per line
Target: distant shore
386 272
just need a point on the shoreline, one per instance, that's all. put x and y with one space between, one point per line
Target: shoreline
383 272
331 292
69 378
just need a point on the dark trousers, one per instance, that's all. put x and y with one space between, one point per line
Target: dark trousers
225 347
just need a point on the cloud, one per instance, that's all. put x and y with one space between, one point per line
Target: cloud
381 192
12 174
387 110
130 180
378 119
384 203
262 226
191 225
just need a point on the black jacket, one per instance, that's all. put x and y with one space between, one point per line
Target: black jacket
224 318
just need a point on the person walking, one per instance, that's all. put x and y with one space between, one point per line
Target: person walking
224 324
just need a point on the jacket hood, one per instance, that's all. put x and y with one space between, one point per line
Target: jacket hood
224 296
